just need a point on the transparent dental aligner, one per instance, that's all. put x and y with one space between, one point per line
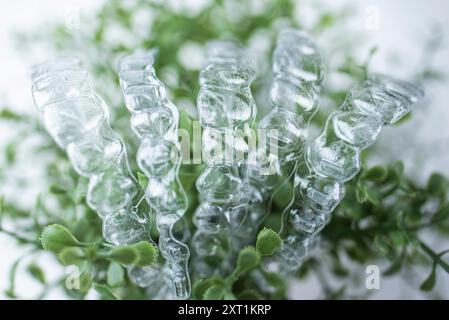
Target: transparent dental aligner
78 121
298 75
226 112
154 120
334 158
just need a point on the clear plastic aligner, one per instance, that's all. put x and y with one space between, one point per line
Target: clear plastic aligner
334 158
298 75
78 120
226 111
154 120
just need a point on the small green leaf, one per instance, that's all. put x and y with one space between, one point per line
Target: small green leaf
381 244
7 114
277 282
143 179
105 292
397 238
10 152
396 170
56 237
215 292
372 196
442 213
147 253
268 241
437 184
396 266
115 275
199 287
72 256
326 21
248 259
36 272
364 194
125 255
376 173
1 210
85 282
250 294
360 192
411 238
283 195
56 189
430 281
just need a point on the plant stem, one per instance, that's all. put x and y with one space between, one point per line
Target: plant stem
434 256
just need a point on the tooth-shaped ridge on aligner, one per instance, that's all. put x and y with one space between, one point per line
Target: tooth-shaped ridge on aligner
154 119
78 120
334 157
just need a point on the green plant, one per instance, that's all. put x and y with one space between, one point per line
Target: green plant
382 218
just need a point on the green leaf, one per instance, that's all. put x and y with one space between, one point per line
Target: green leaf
437 184
105 292
396 170
366 194
372 196
277 282
396 266
406 117
72 256
147 253
248 259
56 237
1 210
56 189
283 194
376 173
442 213
7 114
85 282
250 294
326 21
215 292
430 281
268 241
381 245
115 275
199 287
143 179
125 255
397 238
411 238
10 152
360 192
36 272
